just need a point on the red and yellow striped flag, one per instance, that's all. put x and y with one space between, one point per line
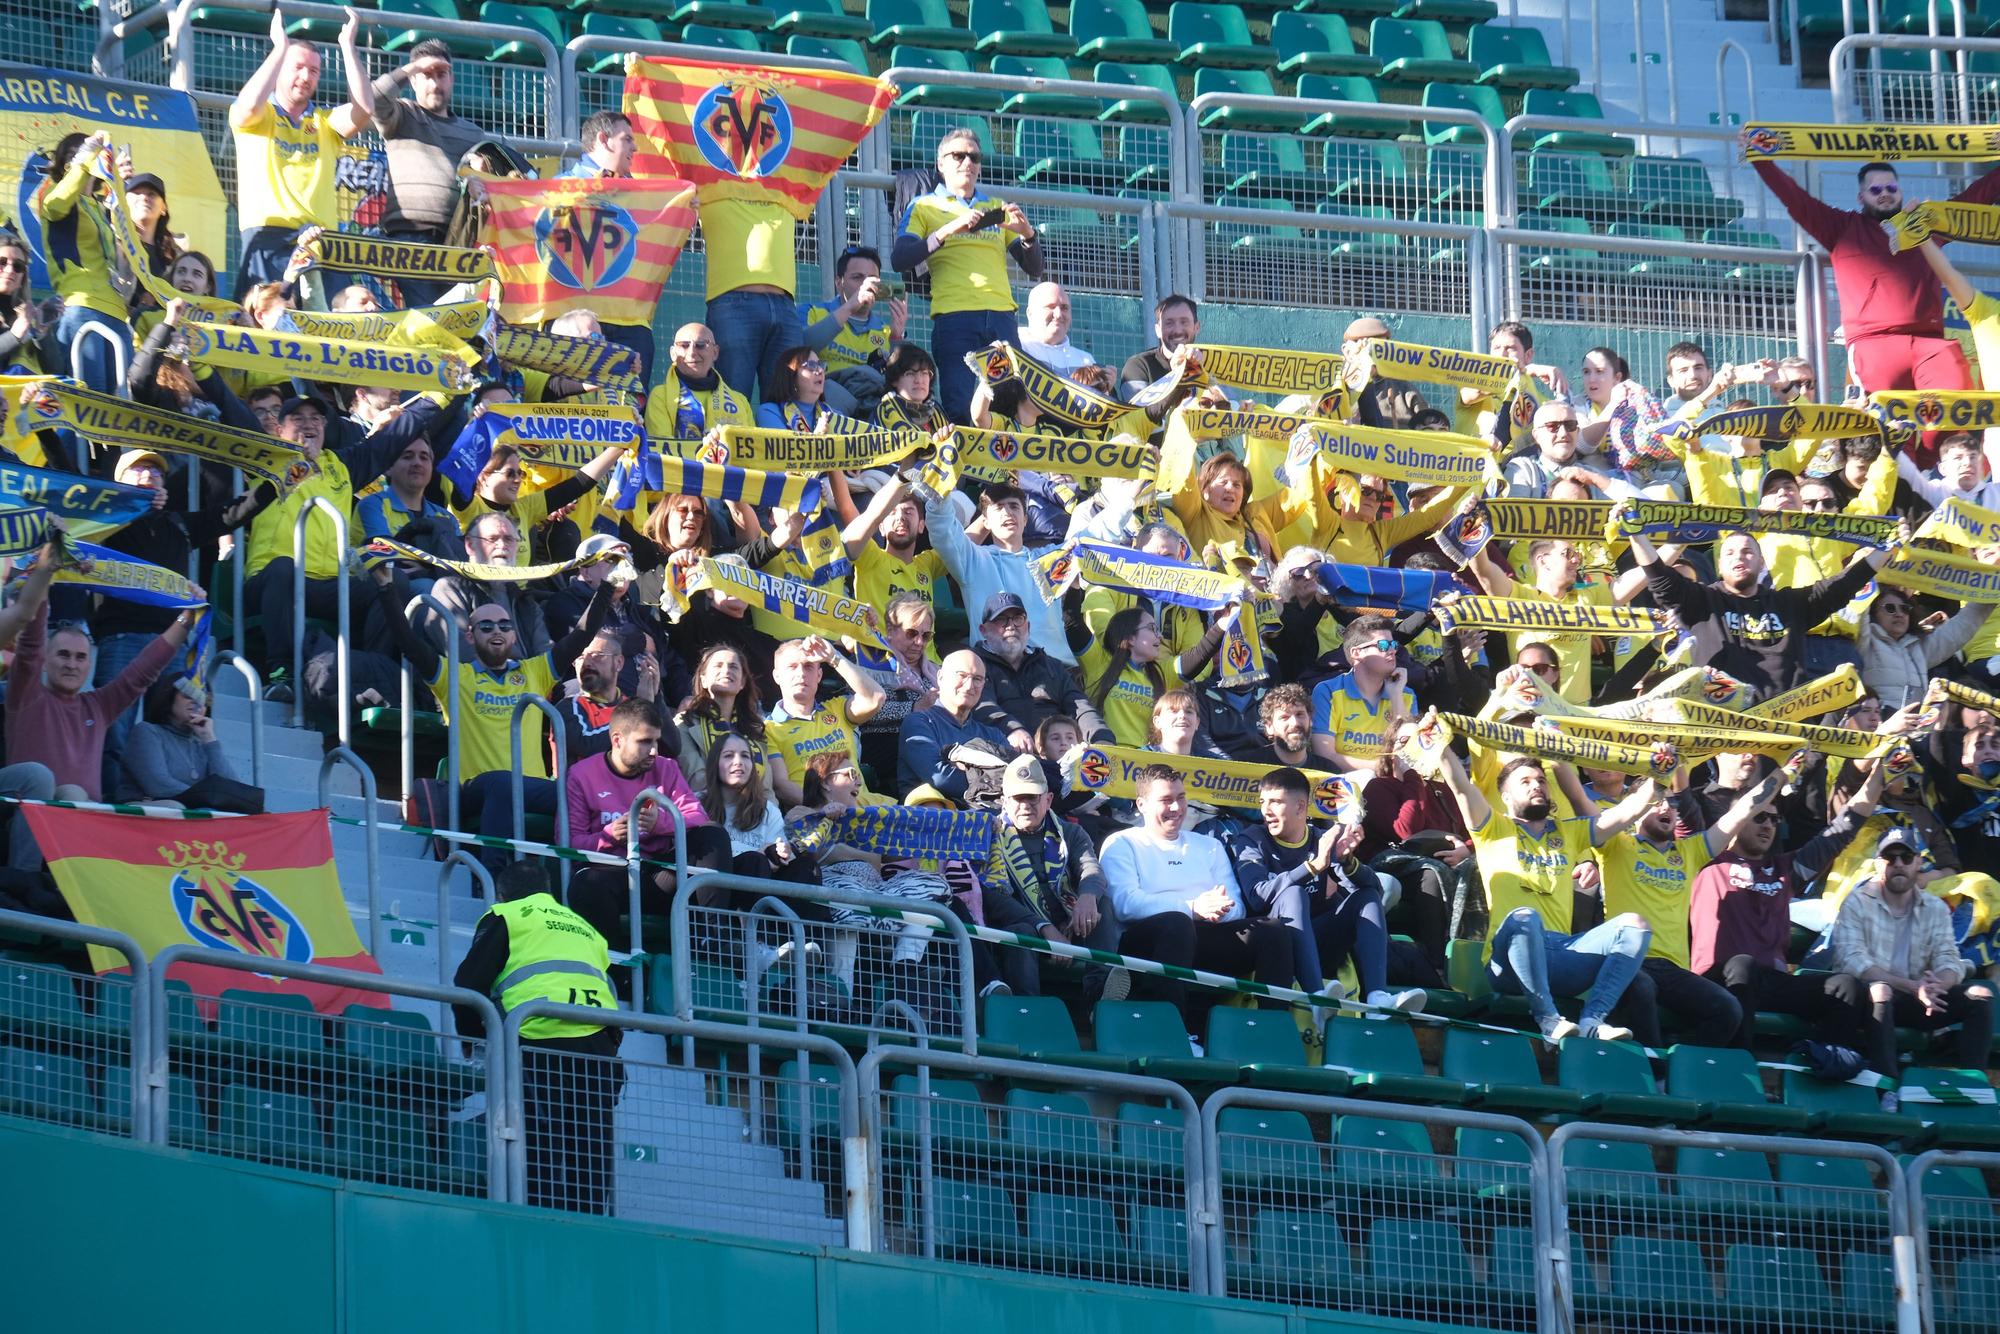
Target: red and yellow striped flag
750 131
263 887
605 244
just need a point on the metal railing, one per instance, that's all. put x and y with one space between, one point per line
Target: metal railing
482 879
735 1146
343 705
1042 1180
356 1095
449 624
1370 1217
1954 1230
1864 91
874 941
72 1045
518 784
635 870
1834 1216
371 828
254 683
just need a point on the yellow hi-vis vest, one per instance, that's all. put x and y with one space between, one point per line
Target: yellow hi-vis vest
552 955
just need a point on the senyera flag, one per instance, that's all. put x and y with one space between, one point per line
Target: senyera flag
605 243
756 132
263 886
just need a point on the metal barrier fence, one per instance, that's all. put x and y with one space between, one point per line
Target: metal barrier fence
758 951
758 1136
1351 1205
371 1094
70 1042
1720 1237
1084 1174
1957 1237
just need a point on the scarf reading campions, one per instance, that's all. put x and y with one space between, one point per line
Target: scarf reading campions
563 436
1675 521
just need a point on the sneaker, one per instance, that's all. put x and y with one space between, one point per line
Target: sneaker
1410 1001
1612 1033
1560 1029
1117 984
1194 1045
995 988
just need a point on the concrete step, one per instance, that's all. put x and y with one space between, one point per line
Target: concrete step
236 734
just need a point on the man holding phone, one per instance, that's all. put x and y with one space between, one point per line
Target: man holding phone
854 332
964 236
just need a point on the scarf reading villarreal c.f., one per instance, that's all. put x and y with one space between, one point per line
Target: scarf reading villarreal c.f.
1870 143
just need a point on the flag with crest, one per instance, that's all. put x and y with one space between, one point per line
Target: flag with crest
753 132
263 887
604 244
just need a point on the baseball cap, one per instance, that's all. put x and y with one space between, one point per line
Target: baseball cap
998 604
299 401
146 180
1024 778
1897 834
132 457
1366 326
596 543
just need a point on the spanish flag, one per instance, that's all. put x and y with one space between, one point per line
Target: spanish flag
605 244
263 886
752 132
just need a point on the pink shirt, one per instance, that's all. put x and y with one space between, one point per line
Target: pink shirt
598 795
66 732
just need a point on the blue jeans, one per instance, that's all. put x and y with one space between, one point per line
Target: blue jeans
95 363
638 337
752 330
1529 960
114 654
954 335
486 807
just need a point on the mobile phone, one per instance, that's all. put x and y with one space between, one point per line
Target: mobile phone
990 218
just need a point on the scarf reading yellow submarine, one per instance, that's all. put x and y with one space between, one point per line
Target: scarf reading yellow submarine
1424 747
1110 771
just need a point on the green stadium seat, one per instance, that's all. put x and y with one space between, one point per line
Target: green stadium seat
1242 83
1661 1278
1074 1233
1616 1081
1558 261
1575 185
1267 1047
1041 104
1215 36
1017 27
1159 1238
1420 1261
1500 1074
1376 244
725 14
47 1087
927 130
1054 1129
1492 1162
1391 1163
1775 1284
821 1104
389 1043
1270 1150
1381 1057
1036 1028
975 1221
1446 250
1151 1136
1674 268
955 1111
1136 76
1146 152
1365 171
844 49
1510 1263
1415 52
944 91
1065 153
1151 1034
1677 191
1318 44
36 999
619 26
916 23
819 18
1822 18
425 726
1837 1107
1975 1296
1868 1289
1579 106
272 1125
1952 1125
1957 1203
1449 11
1726 1081
1612 1175
1828 1188
518 50
187 1122
1297 1254
1267 164
271 1026
1734 1182
378 1143
1516 59
1346 88
1352 8
1756 277
1481 102
720 38
1117 30
405 38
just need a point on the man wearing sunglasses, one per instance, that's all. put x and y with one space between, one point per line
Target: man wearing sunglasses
1889 301
1898 941
1355 713
1740 919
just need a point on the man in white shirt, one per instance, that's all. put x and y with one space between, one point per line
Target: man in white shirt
1045 336
1175 891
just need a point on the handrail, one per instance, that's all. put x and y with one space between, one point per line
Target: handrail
306 510
1178 136
497 1070
182 64
518 780
633 873
1509 190
1722 51
480 876
108 60
370 825
1843 62
1648 245
233 659
451 660
141 1059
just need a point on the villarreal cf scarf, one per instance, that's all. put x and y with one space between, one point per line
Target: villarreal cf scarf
603 244
823 611
1871 143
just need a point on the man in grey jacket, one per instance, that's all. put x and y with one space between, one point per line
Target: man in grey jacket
1024 684
425 142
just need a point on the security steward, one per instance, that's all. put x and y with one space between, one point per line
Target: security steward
529 947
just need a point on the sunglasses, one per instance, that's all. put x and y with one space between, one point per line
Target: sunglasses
1544 668
1764 817
1899 856
695 346
1899 608
1885 189
18 265
1819 503
814 365
1372 493
488 627
960 155
1380 645
1563 424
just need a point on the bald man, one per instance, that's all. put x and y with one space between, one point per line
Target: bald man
707 402
1045 336
929 737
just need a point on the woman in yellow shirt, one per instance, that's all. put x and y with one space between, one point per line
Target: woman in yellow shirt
1214 508
498 490
1128 668
76 241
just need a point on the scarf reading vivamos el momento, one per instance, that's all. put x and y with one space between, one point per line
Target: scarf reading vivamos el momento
1822 695
1675 521
122 424
920 833
1425 745
1110 770
1869 143
1846 742
562 436
233 347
